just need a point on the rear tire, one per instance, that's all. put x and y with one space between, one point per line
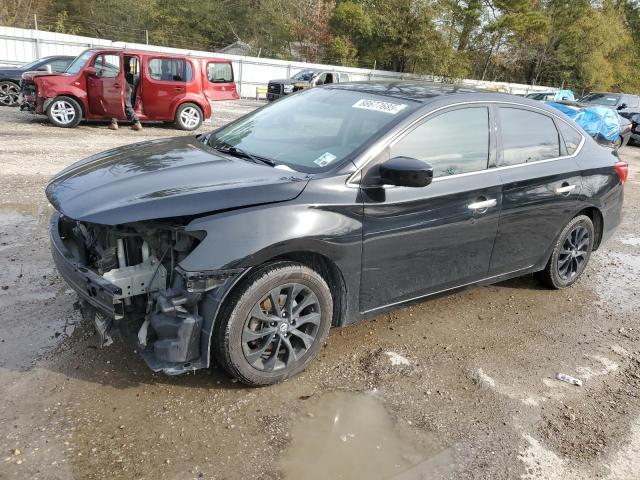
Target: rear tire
273 324
64 112
189 117
570 254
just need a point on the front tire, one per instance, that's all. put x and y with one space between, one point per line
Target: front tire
189 117
570 255
64 112
273 324
9 92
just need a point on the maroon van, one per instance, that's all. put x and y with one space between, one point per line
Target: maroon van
166 88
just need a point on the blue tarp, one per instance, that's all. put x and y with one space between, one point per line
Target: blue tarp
596 120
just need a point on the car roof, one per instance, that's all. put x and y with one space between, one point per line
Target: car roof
57 56
424 92
153 53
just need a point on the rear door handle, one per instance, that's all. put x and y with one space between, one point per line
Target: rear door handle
565 189
117 85
484 204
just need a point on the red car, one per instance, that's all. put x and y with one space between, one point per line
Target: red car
163 87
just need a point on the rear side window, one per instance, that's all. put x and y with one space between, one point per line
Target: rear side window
219 72
170 69
527 136
571 137
634 101
452 143
107 65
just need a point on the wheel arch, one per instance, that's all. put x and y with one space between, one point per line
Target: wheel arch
597 219
83 107
195 101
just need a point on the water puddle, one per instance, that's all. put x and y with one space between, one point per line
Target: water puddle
352 436
36 312
630 240
617 284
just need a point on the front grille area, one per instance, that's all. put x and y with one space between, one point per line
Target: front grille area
28 87
274 88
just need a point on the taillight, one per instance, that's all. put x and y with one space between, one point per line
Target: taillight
622 168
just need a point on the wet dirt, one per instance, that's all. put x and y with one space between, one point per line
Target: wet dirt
462 386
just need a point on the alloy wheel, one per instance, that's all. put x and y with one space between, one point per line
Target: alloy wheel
190 117
573 255
9 92
281 327
63 112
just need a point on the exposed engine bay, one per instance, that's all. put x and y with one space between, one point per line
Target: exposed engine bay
154 301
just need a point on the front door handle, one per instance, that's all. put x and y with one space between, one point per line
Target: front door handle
483 205
565 189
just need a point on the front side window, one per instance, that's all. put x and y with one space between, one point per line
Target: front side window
527 136
315 129
453 142
107 66
170 69
219 72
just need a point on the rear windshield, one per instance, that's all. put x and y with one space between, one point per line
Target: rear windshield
79 62
606 99
304 75
313 130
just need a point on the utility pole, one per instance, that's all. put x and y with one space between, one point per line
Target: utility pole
35 21
146 36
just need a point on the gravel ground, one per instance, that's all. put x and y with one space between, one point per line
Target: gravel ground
457 387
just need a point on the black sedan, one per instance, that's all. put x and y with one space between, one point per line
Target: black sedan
10 76
331 206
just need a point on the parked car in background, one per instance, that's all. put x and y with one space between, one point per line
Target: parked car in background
635 128
248 243
167 88
541 95
625 104
10 76
303 80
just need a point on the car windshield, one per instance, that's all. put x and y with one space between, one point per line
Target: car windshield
79 62
607 99
304 75
31 65
313 130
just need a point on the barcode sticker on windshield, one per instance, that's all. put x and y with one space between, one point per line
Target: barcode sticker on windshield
325 159
378 106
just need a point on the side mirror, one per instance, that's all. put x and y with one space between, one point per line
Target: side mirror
622 106
406 172
90 71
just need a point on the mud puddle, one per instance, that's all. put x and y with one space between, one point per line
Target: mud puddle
37 317
352 436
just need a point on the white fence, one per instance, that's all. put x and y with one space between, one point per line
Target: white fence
18 46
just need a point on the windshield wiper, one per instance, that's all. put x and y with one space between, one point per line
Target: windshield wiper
238 152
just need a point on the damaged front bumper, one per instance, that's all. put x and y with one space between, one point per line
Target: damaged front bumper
173 323
90 287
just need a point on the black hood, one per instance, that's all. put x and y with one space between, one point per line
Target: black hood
165 178
8 73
